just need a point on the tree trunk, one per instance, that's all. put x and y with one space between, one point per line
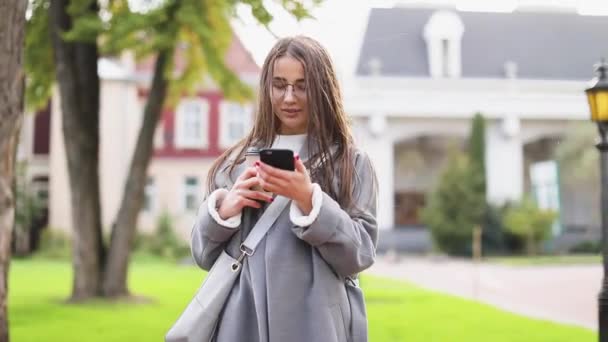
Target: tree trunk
12 81
76 67
124 227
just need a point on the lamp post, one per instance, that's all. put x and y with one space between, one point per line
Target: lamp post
597 95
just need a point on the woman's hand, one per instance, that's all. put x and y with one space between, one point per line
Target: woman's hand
295 185
241 195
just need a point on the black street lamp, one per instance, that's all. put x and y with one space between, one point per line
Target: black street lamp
597 95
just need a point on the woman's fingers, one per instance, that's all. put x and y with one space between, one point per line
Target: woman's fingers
300 168
248 183
257 195
250 203
275 189
274 172
248 173
272 175
271 183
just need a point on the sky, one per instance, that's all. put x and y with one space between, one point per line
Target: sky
340 24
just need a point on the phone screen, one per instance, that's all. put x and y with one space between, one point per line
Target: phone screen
279 158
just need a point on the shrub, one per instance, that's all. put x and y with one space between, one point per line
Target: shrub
587 247
527 220
456 206
55 244
164 242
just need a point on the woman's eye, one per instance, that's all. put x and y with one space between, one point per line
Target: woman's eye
301 87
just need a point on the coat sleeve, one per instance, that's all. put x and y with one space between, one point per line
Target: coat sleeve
347 240
209 237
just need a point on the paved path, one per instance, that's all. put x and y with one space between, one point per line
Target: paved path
565 294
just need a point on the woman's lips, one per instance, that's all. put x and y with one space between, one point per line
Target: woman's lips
291 112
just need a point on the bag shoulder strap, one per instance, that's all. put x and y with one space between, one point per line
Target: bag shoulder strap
263 224
260 229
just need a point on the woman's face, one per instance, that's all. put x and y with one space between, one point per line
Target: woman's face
288 95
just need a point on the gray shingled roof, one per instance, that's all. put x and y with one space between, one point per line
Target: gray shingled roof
544 45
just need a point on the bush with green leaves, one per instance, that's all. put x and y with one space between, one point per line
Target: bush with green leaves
164 242
55 244
28 208
456 206
458 203
587 247
527 220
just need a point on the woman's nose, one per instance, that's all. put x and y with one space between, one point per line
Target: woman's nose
289 97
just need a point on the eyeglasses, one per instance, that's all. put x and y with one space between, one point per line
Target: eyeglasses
279 89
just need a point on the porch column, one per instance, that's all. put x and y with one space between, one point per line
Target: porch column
504 160
378 144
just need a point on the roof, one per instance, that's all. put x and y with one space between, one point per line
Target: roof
550 46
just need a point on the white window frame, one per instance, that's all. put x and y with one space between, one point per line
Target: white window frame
227 109
150 193
192 114
443 35
190 190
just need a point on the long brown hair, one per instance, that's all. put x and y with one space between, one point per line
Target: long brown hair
328 124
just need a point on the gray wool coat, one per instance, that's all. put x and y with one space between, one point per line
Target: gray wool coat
297 286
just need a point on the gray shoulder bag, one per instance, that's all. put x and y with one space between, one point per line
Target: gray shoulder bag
198 321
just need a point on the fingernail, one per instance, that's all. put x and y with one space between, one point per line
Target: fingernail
257 163
297 157
271 199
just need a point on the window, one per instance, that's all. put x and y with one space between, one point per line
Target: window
149 195
235 122
445 58
443 35
191 128
191 190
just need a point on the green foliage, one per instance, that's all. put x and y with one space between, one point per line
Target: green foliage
38 56
198 31
527 220
477 143
54 244
455 207
587 247
493 238
458 204
164 242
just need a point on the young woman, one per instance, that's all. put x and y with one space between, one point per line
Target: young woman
300 284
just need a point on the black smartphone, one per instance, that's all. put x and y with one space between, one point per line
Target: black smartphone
279 158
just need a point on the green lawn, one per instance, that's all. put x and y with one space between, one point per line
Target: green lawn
547 260
397 311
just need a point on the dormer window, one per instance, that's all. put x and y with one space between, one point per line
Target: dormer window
445 57
443 35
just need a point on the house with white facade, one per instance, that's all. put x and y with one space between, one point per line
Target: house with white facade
423 73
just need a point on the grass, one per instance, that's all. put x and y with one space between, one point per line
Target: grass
397 311
547 260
